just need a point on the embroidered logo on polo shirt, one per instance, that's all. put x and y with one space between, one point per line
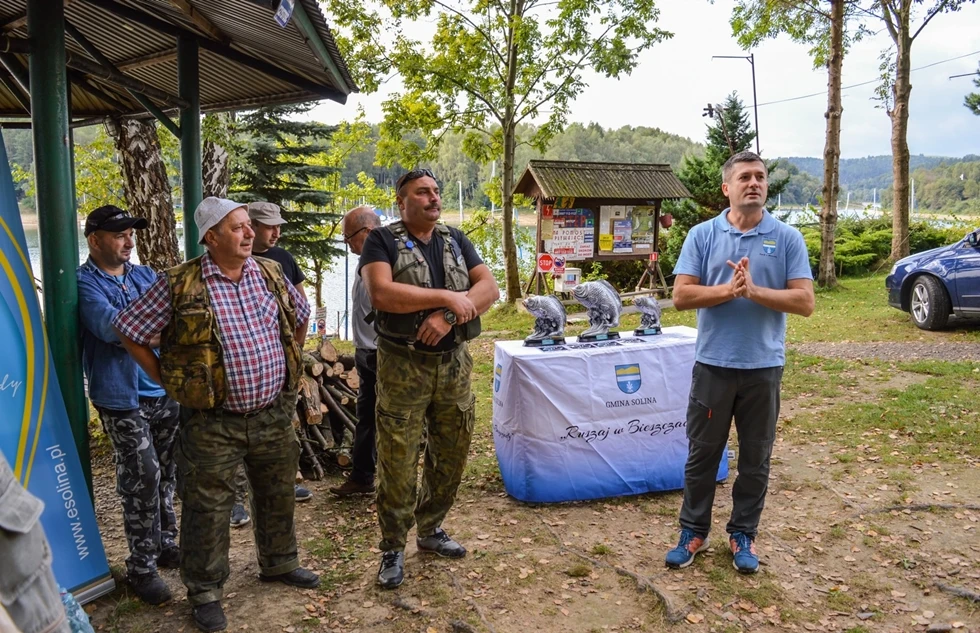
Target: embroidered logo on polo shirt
769 247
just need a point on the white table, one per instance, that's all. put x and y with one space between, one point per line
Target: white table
583 422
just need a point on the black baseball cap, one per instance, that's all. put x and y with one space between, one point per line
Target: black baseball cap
112 218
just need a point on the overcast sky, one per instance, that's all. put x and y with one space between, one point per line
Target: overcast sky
675 80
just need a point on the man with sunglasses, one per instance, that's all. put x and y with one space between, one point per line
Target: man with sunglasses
136 414
428 287
357 225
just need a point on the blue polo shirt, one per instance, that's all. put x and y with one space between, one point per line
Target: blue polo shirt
740 333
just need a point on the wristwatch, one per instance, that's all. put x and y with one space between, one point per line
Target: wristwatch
450 316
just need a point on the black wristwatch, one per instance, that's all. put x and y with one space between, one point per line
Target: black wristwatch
450 316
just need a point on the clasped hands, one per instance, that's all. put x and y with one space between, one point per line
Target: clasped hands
435 326
741 284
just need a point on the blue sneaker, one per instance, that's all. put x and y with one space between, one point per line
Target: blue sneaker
302 494
689 545
743 548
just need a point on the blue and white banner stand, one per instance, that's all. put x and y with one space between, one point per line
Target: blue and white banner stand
35 435
589 420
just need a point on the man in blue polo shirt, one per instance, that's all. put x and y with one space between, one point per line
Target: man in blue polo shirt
139 418
743 271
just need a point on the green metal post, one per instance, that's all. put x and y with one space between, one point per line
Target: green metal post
188 88
58 223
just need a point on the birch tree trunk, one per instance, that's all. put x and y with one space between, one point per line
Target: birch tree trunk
148 192
827 276
214 168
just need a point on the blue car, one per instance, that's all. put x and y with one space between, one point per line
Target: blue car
934 284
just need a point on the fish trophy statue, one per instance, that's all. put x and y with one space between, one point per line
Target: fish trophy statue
603 305
549 321
649 308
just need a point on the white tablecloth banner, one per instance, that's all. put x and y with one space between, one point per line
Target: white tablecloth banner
587 421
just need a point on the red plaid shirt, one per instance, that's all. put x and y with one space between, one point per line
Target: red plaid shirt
248 324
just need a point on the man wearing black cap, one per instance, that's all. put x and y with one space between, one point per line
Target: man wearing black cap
138 417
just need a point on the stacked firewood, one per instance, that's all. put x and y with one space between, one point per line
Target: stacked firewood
326 412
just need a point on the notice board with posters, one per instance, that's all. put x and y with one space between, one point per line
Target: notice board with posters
600 419
572 232
627 229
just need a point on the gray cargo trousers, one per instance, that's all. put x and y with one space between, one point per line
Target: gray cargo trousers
719 394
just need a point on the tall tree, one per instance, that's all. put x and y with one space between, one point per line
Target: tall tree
218 132
728 134
273 163
148 192
489 67
972 100
823 26
897 16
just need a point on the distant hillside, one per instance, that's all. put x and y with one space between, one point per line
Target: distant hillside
942 183
871 172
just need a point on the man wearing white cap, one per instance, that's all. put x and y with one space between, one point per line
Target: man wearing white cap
266 221
231 355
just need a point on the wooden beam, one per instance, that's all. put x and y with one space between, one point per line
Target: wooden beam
159 57
200 21
76 62
15 24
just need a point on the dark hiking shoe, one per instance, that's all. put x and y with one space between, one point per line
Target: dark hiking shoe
440 543
392 570
351 488
299 577
239 515
169 558
150 588
210 617
302 494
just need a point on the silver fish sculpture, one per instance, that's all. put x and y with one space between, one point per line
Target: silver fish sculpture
650 310
602 304
549 317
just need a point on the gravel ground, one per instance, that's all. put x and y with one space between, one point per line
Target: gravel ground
906 351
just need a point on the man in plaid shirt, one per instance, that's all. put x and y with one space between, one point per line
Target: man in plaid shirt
230 344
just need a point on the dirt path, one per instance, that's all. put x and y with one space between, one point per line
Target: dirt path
851 542
906 351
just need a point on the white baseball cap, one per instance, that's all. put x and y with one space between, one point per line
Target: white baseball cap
211 211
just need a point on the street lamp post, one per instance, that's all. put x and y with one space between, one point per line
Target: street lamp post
755 101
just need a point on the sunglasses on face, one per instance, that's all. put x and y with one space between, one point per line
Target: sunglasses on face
415 174
348 238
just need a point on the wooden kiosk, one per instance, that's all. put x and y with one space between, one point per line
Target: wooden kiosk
590 212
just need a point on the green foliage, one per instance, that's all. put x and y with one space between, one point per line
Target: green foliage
729 134
972 100
98 176
806 22
863 245
486 232
275 163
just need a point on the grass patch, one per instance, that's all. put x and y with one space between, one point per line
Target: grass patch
581 570
840 601
601 549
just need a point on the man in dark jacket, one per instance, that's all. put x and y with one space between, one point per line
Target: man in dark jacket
136 414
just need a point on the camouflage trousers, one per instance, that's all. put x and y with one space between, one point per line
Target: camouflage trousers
416 391
211 446
143 441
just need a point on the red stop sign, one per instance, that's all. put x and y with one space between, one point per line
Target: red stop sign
545 263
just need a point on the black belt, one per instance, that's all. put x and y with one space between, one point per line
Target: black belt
422 358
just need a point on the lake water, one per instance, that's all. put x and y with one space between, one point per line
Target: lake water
336 288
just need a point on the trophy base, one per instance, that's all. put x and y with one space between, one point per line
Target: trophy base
647 331
545 342
592 338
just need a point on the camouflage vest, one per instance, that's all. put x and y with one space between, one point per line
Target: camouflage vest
411 268
191 357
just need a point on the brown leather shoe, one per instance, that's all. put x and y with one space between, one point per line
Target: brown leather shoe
351 488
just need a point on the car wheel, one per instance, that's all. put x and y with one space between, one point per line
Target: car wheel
929 305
